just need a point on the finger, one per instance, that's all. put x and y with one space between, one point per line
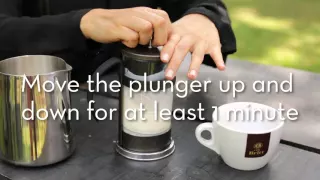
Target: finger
216 55
163 14
180 52
143 27
160 25
130 44
168 48
145 34
127 34
145 37
197 59
129 37
167 27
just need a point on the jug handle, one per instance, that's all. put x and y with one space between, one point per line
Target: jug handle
102 69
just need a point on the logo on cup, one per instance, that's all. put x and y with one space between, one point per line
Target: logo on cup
257 145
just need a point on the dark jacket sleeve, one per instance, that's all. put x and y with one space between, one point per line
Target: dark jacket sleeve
39 35
215 10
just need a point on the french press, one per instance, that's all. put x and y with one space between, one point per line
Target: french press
145 104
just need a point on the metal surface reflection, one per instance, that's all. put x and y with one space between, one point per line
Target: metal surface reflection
43 139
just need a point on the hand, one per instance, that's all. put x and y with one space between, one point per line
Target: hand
131 26
193 33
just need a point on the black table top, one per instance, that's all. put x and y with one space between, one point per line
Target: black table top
95 158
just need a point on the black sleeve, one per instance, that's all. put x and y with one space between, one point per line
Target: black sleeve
39 35
215 10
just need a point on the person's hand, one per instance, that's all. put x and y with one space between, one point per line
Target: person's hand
193 33
131 26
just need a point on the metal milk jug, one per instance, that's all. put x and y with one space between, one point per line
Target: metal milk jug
38 138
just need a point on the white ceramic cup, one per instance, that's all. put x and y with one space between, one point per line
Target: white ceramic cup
245 134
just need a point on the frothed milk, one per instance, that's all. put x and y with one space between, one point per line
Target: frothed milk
146 125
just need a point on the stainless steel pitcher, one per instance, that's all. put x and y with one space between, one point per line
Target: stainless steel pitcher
34 139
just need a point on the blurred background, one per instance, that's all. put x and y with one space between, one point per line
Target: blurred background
277 32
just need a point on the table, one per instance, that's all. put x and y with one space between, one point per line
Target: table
95 158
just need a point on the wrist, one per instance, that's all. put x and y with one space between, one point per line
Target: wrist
197 23
221 22
85 24
195 19
87 21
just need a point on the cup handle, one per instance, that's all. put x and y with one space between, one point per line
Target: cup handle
209 143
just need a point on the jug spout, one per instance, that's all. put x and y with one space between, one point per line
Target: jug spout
33 65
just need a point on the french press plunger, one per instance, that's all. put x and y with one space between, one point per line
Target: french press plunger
144 134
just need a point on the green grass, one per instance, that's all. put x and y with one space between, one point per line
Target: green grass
277 32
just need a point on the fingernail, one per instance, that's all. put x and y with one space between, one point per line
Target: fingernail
165 57
222 67
169 74
193 73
